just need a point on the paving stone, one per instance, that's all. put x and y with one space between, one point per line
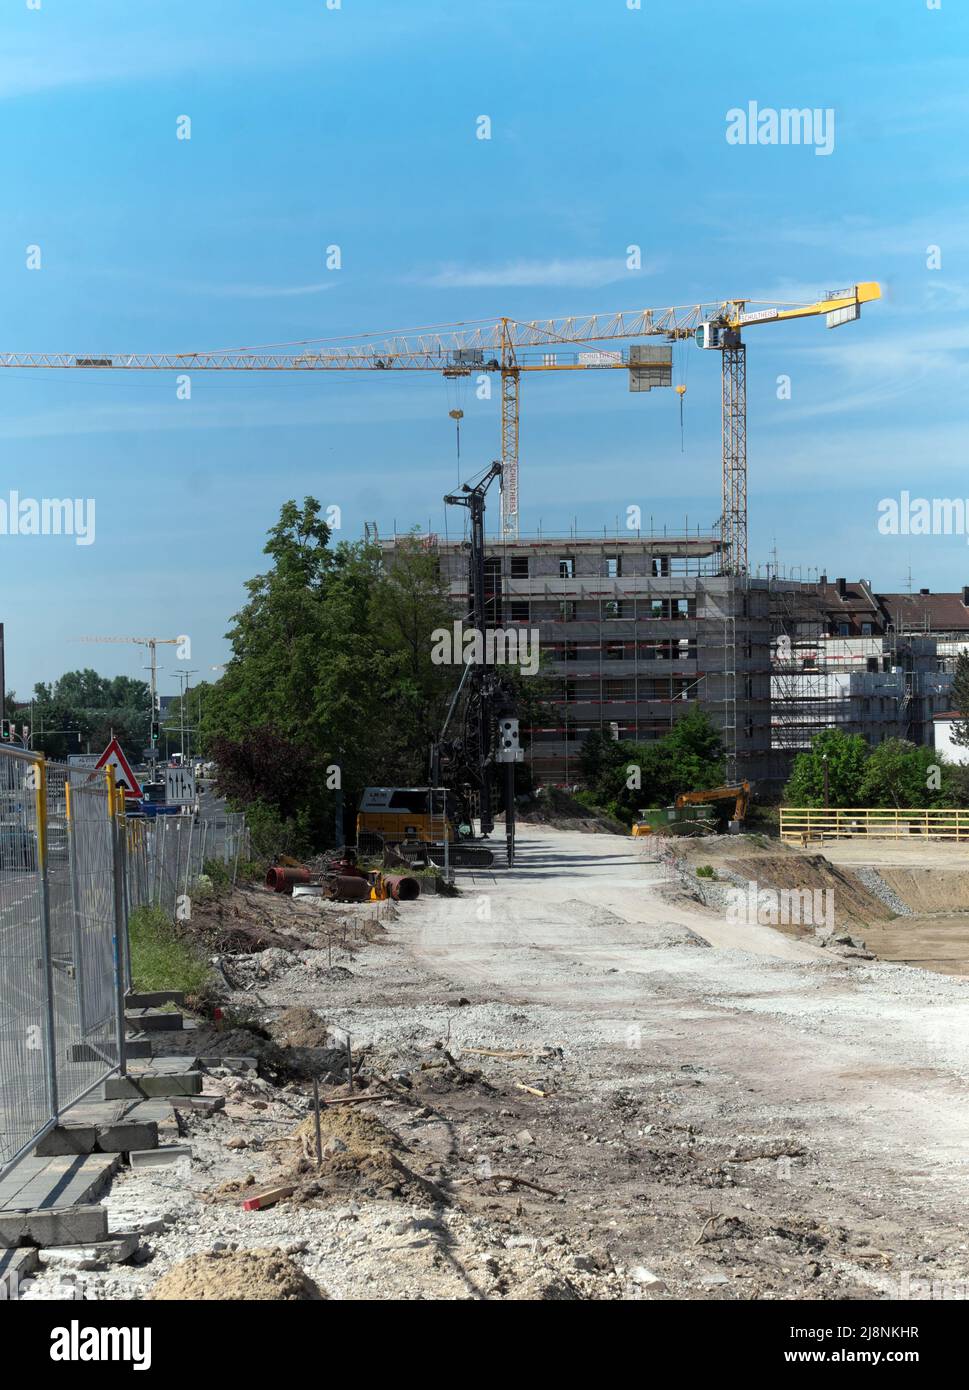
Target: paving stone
122 1138
57 1181
187 1083
67 1139
158 1066
152 999
93 1255
154 1020
62 1226
161 1157
205 1103
16 1265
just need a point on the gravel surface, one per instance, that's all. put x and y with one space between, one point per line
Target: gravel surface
678 1107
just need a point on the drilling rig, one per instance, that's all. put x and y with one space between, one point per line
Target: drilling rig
490 737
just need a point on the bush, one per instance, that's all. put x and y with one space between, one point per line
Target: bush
219 873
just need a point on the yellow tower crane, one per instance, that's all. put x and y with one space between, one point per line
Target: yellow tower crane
511 347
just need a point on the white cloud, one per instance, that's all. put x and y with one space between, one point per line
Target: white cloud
260 291
576 272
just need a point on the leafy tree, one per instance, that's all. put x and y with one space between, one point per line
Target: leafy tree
83 708
846 756
331 666
899 773
960 700
688 758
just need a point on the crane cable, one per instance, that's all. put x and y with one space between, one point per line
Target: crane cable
684 363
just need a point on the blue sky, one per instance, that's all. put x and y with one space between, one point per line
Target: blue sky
357 126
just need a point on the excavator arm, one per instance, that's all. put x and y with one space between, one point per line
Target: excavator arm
740 793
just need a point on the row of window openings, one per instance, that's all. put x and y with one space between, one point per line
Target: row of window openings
579 733
611 567
669 649
672 649
670 609
662 688
645 688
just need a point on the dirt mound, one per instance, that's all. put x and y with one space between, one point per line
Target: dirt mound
360 1155
300 1027
558 809
259 1276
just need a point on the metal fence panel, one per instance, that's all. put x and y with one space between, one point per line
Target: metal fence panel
166 856
63 944
27 1091
86 946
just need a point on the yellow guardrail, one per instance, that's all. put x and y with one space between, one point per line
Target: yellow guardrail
800 824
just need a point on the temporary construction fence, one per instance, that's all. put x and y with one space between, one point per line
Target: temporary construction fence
63 943
166 856
800 824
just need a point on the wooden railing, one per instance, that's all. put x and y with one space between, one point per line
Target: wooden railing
802 823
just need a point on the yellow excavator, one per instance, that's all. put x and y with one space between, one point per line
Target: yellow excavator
741 793
673 822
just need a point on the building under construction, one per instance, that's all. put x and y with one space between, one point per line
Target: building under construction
846 657
633 631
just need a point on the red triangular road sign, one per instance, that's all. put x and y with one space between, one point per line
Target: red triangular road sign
123 775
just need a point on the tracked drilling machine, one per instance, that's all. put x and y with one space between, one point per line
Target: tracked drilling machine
490 735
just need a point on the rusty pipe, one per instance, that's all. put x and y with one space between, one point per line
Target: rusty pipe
347 888
402 887
281 877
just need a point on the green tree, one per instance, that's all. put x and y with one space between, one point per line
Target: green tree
624 776
331 667
899 773
960 700
83 708
846 757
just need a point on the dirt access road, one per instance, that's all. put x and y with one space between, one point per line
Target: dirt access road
863 1065
576 1082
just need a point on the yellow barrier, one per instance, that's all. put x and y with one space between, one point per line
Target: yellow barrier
799 824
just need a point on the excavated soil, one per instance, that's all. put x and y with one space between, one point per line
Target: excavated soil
854 906
931 926
300 1027
929 890
251 1276
361 1156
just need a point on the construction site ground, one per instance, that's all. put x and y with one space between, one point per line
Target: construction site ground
677 1105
